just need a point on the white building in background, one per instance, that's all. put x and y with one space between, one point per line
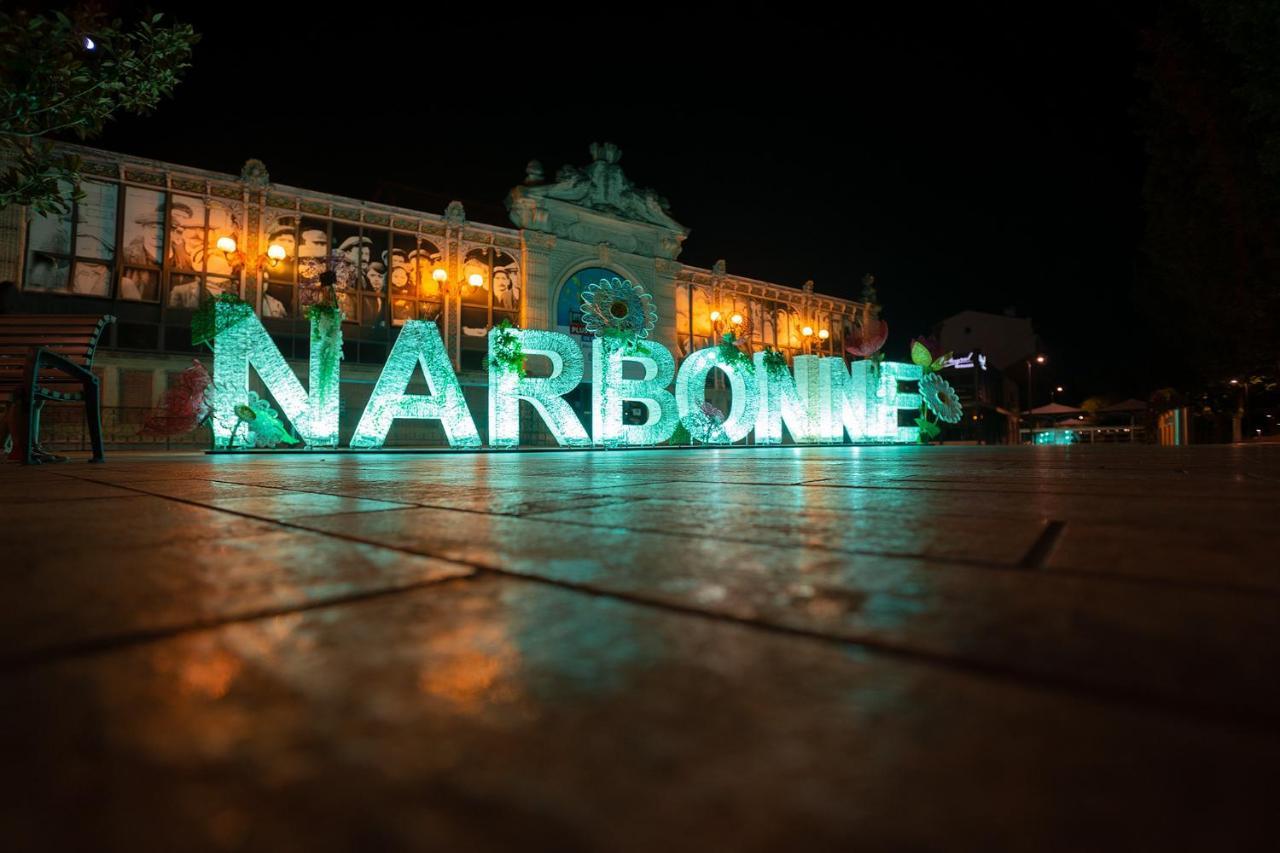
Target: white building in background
1001 344
143 244
1007 341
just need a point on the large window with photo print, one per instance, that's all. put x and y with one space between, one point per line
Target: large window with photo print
143 233
313 259
279 295
197 268
411 286
75 252
490 293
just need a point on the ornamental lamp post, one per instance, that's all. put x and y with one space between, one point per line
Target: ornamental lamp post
235 258
735 324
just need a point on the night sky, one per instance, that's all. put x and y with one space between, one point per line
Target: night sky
977 159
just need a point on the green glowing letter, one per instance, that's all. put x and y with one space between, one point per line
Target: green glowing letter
797 401
418 344
507 388
245 343
864 400
609 389
691 392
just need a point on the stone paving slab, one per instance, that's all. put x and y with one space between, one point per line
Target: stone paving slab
760 649
79 598
497 714
1127 637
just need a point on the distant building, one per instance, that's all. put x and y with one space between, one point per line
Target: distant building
1005 340
997 346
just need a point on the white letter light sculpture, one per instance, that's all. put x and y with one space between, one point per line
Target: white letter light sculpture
609 390
507 388
691 392
314 416
864 400
419 343
793 400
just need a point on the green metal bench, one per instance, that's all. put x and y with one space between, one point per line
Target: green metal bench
49 357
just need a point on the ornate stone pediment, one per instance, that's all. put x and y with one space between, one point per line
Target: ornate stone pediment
598 204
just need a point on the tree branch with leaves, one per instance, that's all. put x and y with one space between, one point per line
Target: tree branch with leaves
71 73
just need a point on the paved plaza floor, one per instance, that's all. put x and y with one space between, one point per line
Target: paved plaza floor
915 648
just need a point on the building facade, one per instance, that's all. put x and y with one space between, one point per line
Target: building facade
148 241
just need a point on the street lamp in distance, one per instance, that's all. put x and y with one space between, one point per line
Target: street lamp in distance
1039 359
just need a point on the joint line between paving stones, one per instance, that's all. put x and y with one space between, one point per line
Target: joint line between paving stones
1240 719
139 637
1046 541
1038 554
584 491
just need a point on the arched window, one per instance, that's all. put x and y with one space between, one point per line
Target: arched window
569 300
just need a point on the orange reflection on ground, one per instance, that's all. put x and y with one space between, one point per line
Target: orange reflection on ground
470 668
209 675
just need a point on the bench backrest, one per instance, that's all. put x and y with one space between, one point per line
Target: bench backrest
73 336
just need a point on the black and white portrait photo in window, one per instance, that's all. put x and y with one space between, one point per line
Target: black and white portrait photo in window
313 254
184 291
223 221
186 234
143 227
506 288
92 279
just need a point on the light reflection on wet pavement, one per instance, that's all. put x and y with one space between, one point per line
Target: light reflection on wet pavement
880 649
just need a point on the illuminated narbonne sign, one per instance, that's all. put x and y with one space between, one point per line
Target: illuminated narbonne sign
820 400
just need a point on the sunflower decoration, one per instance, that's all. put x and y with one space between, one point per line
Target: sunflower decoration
936 394
941 398
262 425
616 308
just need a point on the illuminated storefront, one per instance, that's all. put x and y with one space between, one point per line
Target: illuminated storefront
149 240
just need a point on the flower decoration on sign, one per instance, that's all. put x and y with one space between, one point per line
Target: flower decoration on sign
208 322
926 353
775 363
941 398
262 424
184 406
706 424
616 308
731 353
326 338
507 353
867 336
936 394
865 339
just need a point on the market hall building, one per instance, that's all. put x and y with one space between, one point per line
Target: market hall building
148 240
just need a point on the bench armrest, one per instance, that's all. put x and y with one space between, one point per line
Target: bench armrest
42 358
